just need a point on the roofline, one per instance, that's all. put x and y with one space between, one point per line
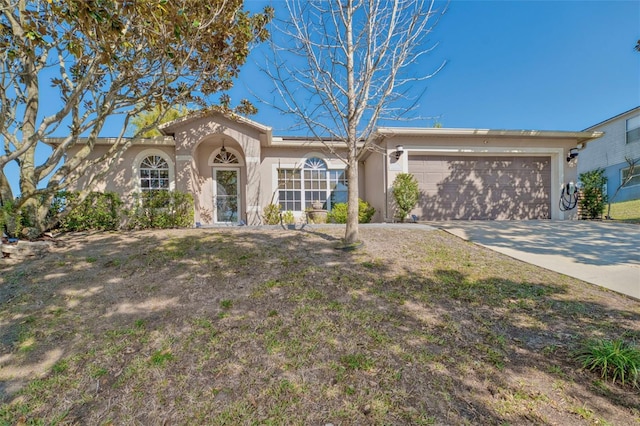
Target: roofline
166 127
158 140
613 118
583 136
298 141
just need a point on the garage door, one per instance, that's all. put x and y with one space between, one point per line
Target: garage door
482 188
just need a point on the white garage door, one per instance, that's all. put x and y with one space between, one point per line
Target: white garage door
482 188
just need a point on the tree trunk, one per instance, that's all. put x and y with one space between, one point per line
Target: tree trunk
352 234
29 208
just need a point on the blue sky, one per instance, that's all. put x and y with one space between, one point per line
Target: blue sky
545 65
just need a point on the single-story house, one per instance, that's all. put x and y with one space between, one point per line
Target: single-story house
235 167
621 141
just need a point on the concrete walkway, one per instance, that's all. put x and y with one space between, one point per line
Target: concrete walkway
602 253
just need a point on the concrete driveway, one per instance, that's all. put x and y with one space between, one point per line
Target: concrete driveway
602 253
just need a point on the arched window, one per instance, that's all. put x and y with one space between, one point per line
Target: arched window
299 188
154 173
225 157
315 181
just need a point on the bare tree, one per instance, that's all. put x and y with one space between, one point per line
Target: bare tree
623 181
345 65
101 59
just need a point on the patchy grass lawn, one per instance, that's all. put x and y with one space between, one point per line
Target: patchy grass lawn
626 211
245 326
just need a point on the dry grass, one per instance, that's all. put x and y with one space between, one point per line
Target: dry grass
626 211
242 326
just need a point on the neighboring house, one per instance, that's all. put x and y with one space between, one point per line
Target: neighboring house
621 140
235 167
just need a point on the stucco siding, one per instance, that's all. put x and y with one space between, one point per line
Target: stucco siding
122 177
375 189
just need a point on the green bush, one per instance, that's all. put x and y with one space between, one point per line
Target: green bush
161 209
288 218
338 213
18 222
271 214
99 211
405 193
11 218
592 199
615 359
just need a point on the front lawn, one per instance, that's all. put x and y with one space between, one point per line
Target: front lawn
626 211
249 326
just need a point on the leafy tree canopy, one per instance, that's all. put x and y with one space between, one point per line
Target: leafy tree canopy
103 58
150 120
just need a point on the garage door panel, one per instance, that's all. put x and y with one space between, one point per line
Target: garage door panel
461 187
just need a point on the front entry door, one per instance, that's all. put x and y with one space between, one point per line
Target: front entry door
226 195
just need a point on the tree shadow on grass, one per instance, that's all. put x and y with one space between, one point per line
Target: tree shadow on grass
519 336
237 308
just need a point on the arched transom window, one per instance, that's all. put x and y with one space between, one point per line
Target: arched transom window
299 189
154 173
225 157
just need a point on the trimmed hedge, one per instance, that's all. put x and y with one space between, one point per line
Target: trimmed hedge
99 211
105 211
161 209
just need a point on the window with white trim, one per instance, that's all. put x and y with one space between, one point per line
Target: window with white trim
633 129
635 177
226 157
154 173
299 189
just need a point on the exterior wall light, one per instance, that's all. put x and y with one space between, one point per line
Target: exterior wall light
399 151
573 153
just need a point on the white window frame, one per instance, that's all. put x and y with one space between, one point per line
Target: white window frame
212 161
636 176
305 186
632 125
150 153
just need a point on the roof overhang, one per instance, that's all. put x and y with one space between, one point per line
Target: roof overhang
305 142
615 117
157 141
579 137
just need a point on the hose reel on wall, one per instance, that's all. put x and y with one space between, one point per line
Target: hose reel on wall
569 197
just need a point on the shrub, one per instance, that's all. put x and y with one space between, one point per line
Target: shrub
161 209
288 218
592 198
338 213
365 211
405 192
17 221
615 359
271 214
10 219
99 211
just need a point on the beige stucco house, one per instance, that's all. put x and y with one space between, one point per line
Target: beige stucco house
235 167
